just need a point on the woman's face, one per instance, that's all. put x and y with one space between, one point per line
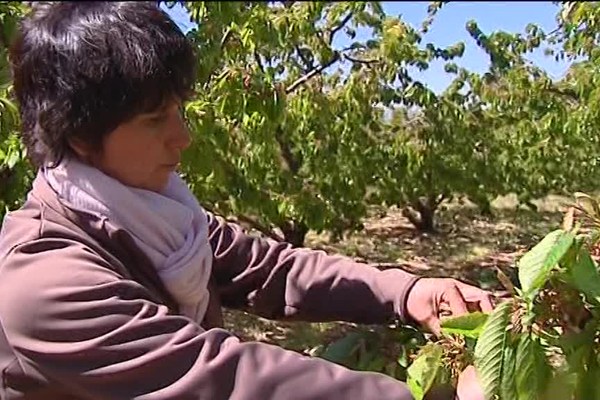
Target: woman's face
143 152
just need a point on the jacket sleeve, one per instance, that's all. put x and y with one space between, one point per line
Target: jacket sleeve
76 324
276 281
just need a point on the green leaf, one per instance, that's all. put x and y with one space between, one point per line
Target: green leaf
423 371
536 264
585 276
341 349
390 369
365 357
12 159
489 351
561 386
282 207
377 365
588 378
508 388
469 325
530 371
403 359
10 107
451 68
577 346
10 27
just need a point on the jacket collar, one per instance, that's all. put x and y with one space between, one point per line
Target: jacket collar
111 237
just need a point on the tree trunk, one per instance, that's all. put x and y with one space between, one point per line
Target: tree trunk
5 175
423 219
427 220
485 207
486 210
294 233
422 213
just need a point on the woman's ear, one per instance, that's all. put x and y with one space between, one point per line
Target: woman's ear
80 148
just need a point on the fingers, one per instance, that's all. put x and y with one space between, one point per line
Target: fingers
486 303
455 300
431 298
476 295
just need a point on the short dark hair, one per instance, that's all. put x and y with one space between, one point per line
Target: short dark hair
80 69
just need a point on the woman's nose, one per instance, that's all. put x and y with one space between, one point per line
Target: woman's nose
181 138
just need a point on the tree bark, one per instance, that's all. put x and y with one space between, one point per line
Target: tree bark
294 233
421 213
484 205
5 175
303 79
486 209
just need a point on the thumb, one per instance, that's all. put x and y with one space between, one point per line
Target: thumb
435 327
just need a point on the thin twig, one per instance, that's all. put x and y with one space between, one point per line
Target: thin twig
354 46
566 92
259 227
226 37
311 74
224 41
309 65
358 60
291 164
334 30
258 61
256 225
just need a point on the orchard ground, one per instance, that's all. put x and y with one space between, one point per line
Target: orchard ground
468 246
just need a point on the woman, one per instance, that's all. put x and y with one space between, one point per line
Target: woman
112 275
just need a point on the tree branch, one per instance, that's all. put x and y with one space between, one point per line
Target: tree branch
336 29
254 224
309 65
566 92
258 61
225 38
224 41
3 41
554 31
358 60
5 175
259 227
291 163
311 74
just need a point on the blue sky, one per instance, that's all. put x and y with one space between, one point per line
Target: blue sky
449 28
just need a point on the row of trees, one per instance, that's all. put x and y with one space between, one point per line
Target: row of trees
15 171
293 133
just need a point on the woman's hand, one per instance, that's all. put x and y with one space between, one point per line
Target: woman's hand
468 387
430 297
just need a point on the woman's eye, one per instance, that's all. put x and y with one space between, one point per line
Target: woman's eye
157 120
